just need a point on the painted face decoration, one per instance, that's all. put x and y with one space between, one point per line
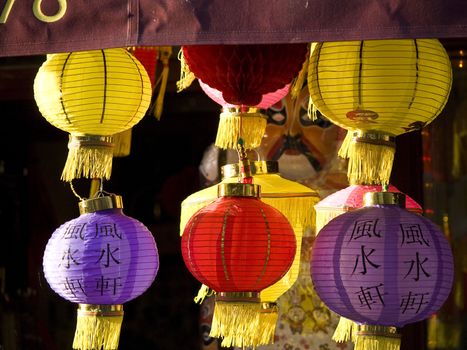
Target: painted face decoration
306 149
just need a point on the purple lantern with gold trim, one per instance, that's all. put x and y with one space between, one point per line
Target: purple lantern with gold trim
382 267
100 260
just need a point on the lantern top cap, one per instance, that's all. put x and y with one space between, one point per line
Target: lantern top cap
238 190
92 205
384 198
257 168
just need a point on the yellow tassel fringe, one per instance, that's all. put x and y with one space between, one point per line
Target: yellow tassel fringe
266 327
345 331
88 161
235 323
344 149
164 56
249 126
186 75
372 342
97 332
122 143
369 163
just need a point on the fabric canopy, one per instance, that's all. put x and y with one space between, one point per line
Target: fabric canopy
31 27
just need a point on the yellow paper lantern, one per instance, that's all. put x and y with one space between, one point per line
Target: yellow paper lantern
293 200
378 89
92 95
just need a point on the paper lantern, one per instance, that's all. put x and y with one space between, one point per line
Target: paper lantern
100 260
351 198
92 95
383 267
237 246
244 74
378 89
295 202
267 100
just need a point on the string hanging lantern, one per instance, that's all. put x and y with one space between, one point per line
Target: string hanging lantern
295 202
243 74
238 246
100 260
378 89
382 267
92 95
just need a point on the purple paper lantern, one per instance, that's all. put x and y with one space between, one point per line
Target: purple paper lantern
100 260
101 257
382 265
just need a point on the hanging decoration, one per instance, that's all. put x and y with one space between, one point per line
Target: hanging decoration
351 198
243 74
295 202
100 260
92 95
238 246
378 89
382 267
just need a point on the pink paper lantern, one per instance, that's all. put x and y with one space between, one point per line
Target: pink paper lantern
351 198
267 100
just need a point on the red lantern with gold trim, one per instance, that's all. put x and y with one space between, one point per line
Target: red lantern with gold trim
237 246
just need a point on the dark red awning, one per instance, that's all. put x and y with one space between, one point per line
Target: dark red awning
92 24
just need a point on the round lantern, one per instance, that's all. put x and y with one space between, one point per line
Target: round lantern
295 202
92 95
378 89
238 246
100 260
244 74
351 198
382 267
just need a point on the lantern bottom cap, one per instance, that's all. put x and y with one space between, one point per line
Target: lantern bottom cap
370 337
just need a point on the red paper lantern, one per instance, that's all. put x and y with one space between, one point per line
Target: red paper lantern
244 73
238 246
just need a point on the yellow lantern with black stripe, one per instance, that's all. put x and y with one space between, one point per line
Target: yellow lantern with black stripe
92 95
378 89
295 202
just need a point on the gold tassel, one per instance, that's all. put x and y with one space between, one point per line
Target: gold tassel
186 75
235 318
98 327
164 55
203 292
89 156
122 143
297 83
266 325
370 159
312 111
377 338
344 149
250 126
345 330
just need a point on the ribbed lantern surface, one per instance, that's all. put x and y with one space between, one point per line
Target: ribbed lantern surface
103 257
382 265
238 244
